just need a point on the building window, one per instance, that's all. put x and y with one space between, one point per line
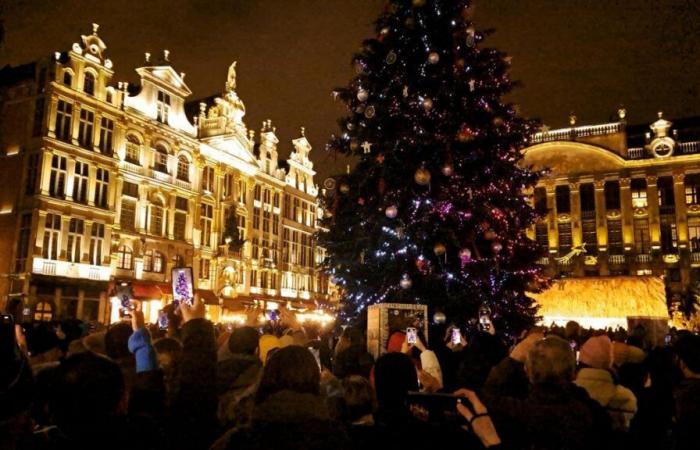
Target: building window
38 116
242 187
128 215
266 221
694 236
542 236
204 269
228 186
64 116
563 199
125 258
666 200
80 182
208 179
240 221
57 181
101 188
130 189
276 224
257 192
75 240
155 223
97 236
590 236
32 173
23 242
587 197
52 233
89 83
160 159
106 133
183 168
669 236
85 130
163 107
133 150
180 224
615 237
205 223
276 203
43 312
153 261
256 218
109 95
297 211
67 78
692 189
178 261
642 241
255 249
639 193
612 195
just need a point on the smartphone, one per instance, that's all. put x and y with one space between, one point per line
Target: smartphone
572 344
183 287
456 336
485 323
125 294
411 335
667 339
163 320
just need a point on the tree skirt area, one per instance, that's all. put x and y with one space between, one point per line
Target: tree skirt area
603 302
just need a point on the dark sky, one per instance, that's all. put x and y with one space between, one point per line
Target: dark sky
589 56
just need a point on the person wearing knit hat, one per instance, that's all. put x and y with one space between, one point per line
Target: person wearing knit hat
595 360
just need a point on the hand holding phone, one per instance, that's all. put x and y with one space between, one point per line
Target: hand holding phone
411 335
456 336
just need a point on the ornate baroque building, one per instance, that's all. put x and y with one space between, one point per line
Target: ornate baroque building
105 183
620 199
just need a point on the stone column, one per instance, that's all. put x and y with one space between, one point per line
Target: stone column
97 126
601 226
75 123
51 120
85 244
46 172
92 182
551 218
680 207
653 205
70 175
627 214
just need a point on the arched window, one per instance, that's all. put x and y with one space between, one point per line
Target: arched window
183 168
178 261
89 83
158 262
67 78
43 312
133 149
109 96
155 225
160 160
125 258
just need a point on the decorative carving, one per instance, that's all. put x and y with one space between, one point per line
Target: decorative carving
613 214
625 182
576 251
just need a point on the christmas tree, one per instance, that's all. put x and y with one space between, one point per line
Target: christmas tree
435 210
182 288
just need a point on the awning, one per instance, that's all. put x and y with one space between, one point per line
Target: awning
209 297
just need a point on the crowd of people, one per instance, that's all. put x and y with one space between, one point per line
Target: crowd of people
201 386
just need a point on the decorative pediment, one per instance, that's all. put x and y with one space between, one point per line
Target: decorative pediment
167 77
92 47
567 159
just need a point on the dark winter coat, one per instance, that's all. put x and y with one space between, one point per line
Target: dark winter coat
237 379
287 420
687 399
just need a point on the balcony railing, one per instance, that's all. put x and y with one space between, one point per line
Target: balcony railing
616 259
70 270
686 148
636 153
695 257
131 167
567 134
643 258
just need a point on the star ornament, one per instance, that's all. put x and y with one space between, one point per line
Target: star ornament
366 147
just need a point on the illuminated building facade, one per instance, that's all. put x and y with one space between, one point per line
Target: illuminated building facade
105 183
620 199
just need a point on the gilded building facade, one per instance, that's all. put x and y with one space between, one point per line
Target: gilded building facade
106 183
619 199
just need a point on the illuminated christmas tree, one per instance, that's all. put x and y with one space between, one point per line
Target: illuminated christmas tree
435 210
182 290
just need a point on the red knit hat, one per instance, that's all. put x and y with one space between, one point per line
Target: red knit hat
597 352
395 342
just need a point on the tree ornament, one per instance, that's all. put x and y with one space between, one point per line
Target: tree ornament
344 188
350 126
418 3
434 58
448 169
384 31
439 318
472 85
354 145
362 95
406 282
380 158
465 255
471 37
422 176
496 247
361 201
465 134
391 211
420 263
427 104
366 147
439 249
405 91
391 57
490 235
497 121
370 112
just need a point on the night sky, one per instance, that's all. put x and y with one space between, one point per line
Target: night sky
589 56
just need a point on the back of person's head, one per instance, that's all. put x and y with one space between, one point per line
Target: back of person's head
572 330
324 353
394 376
359 398
687 348
312 332
478 358
354 360
41 338
299 337
597 352
168 351
266 344
243 340
292 368
88 392
551 360
117 340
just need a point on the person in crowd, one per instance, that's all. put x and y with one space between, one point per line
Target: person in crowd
594 375
116 342
354 360
482 353
267 344
554 413
687 393
238 376
289 411
44 346
17 389
169 357
349 337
